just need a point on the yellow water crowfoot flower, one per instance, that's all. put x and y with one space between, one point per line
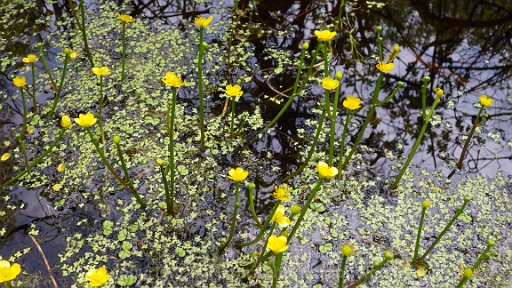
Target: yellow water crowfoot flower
31 58
7 271
85 120
485 101
5 157
385 67
277 244
125 18
61 167
173 80
352 103
65 122
100 71
234 90
97 277
279 217
281 192
19 81
439 91
238 174
325 35
203 21
330 84
326 172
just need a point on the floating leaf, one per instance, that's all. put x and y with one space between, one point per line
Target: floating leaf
126 280
107 227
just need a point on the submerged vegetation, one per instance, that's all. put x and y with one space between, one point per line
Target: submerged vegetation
126 217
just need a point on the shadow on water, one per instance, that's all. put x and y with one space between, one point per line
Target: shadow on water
464 46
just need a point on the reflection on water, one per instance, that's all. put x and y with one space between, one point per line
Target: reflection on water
464 46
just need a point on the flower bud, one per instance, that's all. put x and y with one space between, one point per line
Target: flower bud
67 51
396 48
347 251
250 185
379 28
295 209
159 162
467 198
426 204
400 84
338 75
117 139
377 263
388 255
305 45
467 273
490 242
426 79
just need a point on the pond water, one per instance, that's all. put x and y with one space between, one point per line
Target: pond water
464 46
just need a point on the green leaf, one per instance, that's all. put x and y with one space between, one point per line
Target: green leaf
182 170
133 228
318 207
151 120
127 246
325 248
465 218
180 252
123 254
126 280
107 227
35 120
122 235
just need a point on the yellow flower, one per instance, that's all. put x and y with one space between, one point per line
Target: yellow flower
71 54
326 172
330 84
30 129
385 67
85 120
439 91
31 58
57 187
279 217
203 21
421 271
234 91
65 122
159 162
97 277
125 18
8 272
282 192
19 81
485 101
277 244
352 103
100 71
61 167
5 156
173 80
238 174
325 35
347 250
392 55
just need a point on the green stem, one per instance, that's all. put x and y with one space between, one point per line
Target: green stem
34 87
123 164
232 117
23 102
418 236
304 209
342 142
114 173
124 50
333 125
311 149
61 83
38 159
168 198
416 144
100 121
342 272
368 275
23 150
457 214
277 269
253 211
310 68
264 255
466 145
462 282
233 220
171 145
294 92
47 69
262 231
200 85
84 34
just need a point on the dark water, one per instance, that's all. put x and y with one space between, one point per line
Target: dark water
464 46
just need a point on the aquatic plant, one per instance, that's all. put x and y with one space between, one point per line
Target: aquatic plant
233 91
69 55
469 272
8 272
97 277
31 58
346 251
377 265
125 19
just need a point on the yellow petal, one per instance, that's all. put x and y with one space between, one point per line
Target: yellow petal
5 156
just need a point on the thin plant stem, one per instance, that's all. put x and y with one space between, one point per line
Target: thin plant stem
264 255
170 130
418 236
233 220
200 86
72 7
277 269
310 68
304 209
333 125
23 102
37 160
61 83
235 8
342 142
232 117
262 230
123 164
124 50
23 150
342 272
416 144
251 205
54 85
34 87
100 116
468 140
294 92
484 255
438 238
84 34
342 5
169 200
368 275
114 173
